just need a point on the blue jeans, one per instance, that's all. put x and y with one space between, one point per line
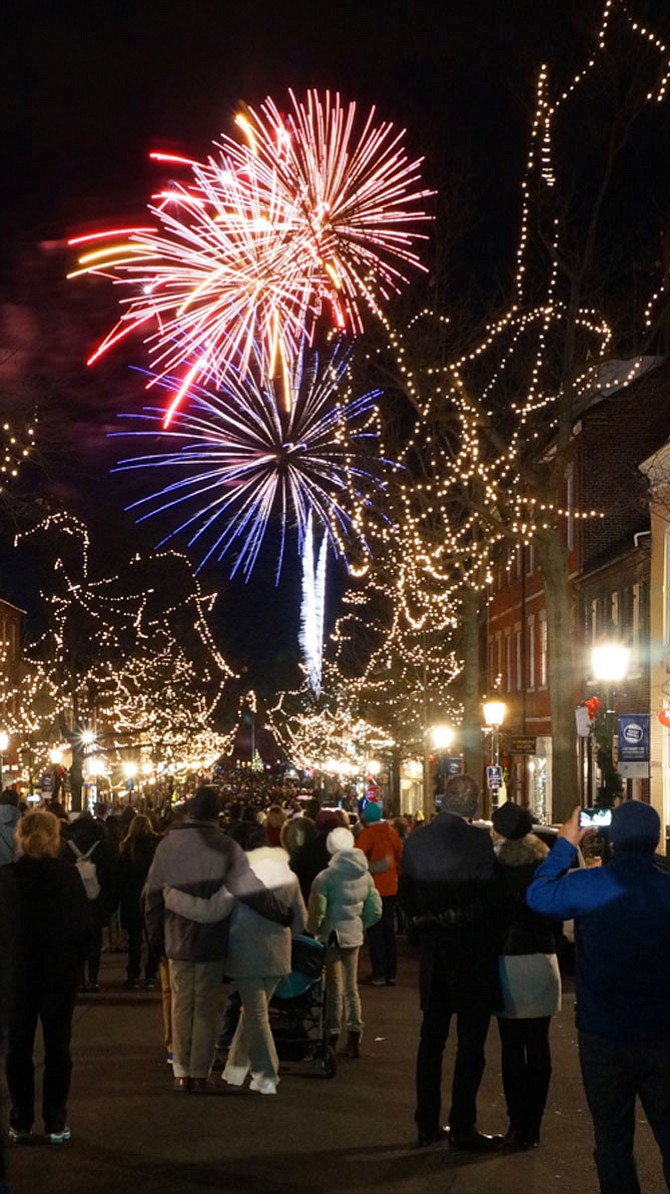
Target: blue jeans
614 1075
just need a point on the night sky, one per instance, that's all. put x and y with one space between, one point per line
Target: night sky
91 87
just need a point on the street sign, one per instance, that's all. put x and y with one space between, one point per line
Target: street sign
526 745
453 766
494 777
633 737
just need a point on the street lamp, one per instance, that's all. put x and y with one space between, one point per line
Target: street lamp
55 758
494 716
609 663
4 744
442 737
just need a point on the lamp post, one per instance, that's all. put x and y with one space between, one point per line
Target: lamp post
609 662
55 758
494 716
94 767
4 744
130 773
442 737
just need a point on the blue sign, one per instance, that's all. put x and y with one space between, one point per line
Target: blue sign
494 777
633 734
453 766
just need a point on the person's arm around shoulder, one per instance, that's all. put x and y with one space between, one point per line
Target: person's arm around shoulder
207 911
247 887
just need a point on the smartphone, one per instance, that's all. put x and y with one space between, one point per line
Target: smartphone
595 818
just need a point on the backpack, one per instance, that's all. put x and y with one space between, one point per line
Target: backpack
88 872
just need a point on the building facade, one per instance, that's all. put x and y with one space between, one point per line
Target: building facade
618 560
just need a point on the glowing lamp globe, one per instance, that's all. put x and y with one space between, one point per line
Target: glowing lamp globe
610 661
494 713
442 737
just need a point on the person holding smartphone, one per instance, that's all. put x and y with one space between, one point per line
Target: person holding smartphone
622 981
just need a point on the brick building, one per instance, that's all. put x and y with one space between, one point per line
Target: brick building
610 564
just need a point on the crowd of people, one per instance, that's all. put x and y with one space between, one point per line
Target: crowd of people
218 892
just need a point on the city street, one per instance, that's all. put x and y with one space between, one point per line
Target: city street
352 1133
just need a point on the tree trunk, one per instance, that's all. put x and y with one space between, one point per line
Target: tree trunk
559 598
469 647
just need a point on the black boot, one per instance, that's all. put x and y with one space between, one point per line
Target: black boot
332 1040
514 1139
354 1045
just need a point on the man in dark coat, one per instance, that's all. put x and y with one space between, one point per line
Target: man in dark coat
447 888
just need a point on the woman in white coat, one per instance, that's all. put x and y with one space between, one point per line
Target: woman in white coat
259 954
343 902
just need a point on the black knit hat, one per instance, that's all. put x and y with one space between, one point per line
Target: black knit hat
205 804
511 820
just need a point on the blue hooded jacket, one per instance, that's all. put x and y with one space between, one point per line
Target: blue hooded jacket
622 939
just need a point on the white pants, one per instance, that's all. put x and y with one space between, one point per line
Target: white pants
342 990
253 1047
195 988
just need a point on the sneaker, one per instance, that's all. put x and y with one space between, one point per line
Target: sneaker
20 1135
170 1059
59 1137
377 982
235 1075
264 1085
132 984
149 984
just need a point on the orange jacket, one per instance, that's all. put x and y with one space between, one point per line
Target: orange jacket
380 843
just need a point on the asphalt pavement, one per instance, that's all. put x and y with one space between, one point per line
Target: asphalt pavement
352 1134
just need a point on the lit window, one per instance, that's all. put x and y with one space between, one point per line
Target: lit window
543 651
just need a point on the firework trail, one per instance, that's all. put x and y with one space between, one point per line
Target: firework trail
242 460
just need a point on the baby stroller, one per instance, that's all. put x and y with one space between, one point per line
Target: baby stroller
297 1009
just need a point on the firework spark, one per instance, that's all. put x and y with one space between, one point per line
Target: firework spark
245 460
311 212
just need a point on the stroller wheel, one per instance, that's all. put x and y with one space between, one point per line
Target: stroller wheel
329 1063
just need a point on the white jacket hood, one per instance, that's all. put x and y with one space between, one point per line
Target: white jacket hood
270 864
349 863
